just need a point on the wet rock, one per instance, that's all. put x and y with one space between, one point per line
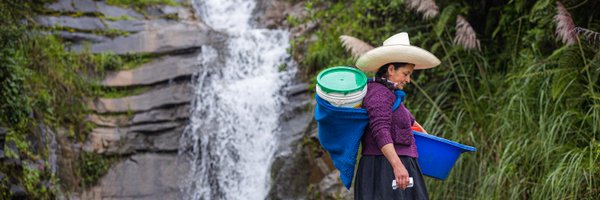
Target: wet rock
290 177
182 13
271 13
92 23
168 96
90 6
170 38
296 89
130 25
156 137
114 11
159 70
274 14
331 187
73 6
152 116
80 23
289 170
78 37
142 176
176 113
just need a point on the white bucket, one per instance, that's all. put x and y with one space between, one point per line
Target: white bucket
350 100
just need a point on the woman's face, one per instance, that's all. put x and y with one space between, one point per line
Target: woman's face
401 75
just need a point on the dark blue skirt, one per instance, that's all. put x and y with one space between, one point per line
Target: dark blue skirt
375 175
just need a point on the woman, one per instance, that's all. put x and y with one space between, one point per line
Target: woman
388 148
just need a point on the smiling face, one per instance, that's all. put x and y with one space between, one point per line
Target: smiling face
400 75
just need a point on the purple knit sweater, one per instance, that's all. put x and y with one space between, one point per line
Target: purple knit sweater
386 126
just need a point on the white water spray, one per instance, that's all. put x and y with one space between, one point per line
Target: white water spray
231 138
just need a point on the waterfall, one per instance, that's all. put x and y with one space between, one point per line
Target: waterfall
233 129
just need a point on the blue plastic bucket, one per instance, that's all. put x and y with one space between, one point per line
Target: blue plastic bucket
438 155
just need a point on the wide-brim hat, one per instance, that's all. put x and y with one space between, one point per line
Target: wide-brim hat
397 49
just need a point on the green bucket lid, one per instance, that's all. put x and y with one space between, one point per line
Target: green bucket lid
341 80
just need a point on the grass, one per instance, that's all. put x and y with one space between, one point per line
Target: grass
529 104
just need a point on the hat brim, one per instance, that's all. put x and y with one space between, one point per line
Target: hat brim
375 58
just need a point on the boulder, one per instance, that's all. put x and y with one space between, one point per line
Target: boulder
331 187
142 176
159 70
168 96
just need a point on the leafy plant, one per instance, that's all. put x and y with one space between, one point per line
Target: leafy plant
529 104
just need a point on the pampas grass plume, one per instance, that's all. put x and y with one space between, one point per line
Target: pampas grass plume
426 7
565 27
465 35
355 46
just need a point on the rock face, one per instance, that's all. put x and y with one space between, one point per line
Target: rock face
159 70
143 130
91 6
164 40
289 170
157 98
142 176
123 30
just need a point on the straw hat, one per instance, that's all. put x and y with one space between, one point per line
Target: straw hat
396 49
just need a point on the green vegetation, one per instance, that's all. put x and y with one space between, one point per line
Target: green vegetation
93 166
140 4
119 93
41 83
529 103
119 18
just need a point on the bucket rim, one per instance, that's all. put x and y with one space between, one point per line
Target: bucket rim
450 142
355 94
361 74
338 101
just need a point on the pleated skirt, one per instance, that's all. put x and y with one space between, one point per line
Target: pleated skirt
374 178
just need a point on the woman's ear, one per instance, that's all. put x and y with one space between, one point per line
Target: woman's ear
390 69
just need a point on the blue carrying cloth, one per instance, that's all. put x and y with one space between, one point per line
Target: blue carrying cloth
340 131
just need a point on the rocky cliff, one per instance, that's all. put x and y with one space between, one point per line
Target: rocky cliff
142 131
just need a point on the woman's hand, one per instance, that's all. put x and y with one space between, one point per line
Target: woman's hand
401 176
421 127
400 173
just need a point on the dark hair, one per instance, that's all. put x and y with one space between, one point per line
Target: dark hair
381 75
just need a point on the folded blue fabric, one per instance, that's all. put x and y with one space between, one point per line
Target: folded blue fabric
340 130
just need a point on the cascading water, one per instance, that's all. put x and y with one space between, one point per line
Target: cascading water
232 137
